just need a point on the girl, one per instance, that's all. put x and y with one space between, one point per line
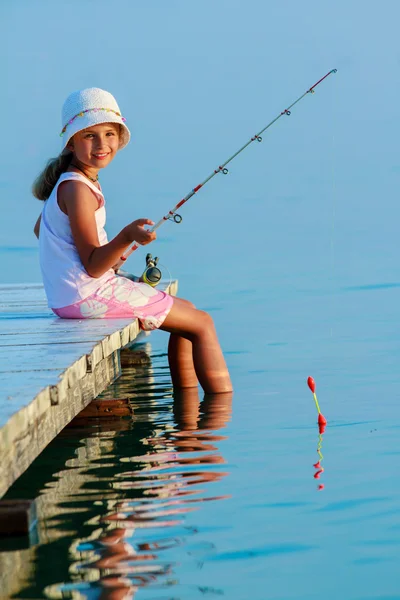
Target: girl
77 260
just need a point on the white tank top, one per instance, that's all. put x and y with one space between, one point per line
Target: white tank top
64 276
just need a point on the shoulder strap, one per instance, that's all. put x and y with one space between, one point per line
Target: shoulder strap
78 177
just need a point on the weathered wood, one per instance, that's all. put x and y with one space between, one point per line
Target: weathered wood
111 407
130 357
30 430
17 517
50 370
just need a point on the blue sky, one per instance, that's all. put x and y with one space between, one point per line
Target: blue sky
195 80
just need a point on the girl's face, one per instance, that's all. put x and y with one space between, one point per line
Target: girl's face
96 146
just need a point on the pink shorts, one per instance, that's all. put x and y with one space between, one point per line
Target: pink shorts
121 298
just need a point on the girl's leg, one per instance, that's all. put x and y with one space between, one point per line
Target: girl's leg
198 327
180 357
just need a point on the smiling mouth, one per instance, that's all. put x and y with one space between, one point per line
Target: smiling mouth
100 155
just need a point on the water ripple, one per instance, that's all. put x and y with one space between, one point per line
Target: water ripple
131 487
270 550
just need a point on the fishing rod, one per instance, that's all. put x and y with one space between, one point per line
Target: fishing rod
173 216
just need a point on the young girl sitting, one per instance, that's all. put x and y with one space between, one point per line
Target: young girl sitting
77 260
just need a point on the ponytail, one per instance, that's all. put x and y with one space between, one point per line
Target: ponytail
45 182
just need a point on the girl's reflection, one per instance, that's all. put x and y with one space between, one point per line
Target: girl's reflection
163 477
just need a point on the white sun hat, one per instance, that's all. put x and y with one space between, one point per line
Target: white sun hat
92 106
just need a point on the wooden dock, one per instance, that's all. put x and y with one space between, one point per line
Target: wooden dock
50 370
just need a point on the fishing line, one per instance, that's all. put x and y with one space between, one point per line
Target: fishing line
332 245
169 272
172 215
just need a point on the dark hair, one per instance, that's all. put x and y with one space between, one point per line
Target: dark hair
45 182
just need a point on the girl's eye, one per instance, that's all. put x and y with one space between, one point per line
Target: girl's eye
88 135
110 133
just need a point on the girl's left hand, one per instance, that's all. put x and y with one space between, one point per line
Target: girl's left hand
136 232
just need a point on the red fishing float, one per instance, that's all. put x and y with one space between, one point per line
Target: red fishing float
322 422
311 384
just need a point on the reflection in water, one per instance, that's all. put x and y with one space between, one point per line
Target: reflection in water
175 460
318 465
133 494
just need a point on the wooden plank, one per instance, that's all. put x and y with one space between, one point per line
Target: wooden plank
56 356
30 429
14 342
29 294
52 324
108 408
50 370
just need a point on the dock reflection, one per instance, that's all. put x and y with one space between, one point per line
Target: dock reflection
117 498
140 534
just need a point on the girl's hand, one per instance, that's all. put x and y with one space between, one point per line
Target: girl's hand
135 232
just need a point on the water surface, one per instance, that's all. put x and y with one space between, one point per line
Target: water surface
191 500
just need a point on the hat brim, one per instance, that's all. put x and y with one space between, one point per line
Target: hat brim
96 118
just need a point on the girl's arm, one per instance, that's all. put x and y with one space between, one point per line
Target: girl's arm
36 229
80 204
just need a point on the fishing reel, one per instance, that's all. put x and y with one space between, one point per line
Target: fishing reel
152 274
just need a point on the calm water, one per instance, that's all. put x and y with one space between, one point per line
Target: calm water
180 504
221 500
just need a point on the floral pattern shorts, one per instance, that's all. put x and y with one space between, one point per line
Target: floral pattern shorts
121 298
